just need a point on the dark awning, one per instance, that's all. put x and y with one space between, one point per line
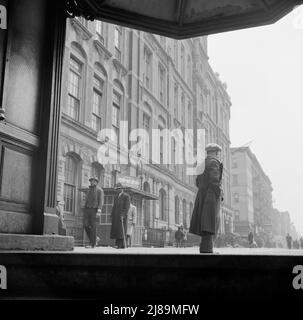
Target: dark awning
129 190
133 192
184 18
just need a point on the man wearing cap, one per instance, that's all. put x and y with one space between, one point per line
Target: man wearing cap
205 219
119 217
93 206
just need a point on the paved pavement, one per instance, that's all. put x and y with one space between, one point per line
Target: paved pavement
191 250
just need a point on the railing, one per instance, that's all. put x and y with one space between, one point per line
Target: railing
137 236
154 237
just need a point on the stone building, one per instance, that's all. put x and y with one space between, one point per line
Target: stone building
251 193
114 74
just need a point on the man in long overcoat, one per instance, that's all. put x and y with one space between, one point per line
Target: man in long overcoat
119 217
289 241
205 219
93 205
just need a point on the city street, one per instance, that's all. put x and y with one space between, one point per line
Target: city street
190 250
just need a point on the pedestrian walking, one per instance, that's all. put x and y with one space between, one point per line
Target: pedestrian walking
184 237
131 222
92 209
62 231
205 219
289 241
178 237
119 217
296 244
250 238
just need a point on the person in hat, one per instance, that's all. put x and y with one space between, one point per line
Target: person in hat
250 239
93 205
61 225
119 217
205 219
131 223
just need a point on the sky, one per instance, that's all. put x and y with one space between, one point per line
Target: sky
263 69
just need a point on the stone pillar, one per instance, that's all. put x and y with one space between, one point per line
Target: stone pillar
51 117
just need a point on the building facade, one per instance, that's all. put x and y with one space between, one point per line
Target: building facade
252 195
113 74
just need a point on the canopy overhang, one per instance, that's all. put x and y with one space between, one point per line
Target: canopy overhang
133 192
182 19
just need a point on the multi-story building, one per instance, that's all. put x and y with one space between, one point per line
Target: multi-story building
114 74
251 193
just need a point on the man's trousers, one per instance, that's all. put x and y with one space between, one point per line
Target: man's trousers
90 215
207 243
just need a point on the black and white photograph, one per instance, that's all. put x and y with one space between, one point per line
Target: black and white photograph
151 159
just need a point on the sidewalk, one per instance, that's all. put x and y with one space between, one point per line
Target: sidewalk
189 251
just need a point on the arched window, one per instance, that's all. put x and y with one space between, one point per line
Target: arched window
97 103
117 109
75 81
70 183
162 196
75 86
98 97
177 210
118 42
97 170
184 214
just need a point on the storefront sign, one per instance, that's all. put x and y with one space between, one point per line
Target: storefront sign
128 181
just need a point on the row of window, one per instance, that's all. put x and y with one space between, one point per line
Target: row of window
76 99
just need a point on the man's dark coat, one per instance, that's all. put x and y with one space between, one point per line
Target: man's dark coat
206 213
120 209
94 198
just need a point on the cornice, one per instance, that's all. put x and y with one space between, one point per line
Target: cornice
81 31
119 67
102 50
